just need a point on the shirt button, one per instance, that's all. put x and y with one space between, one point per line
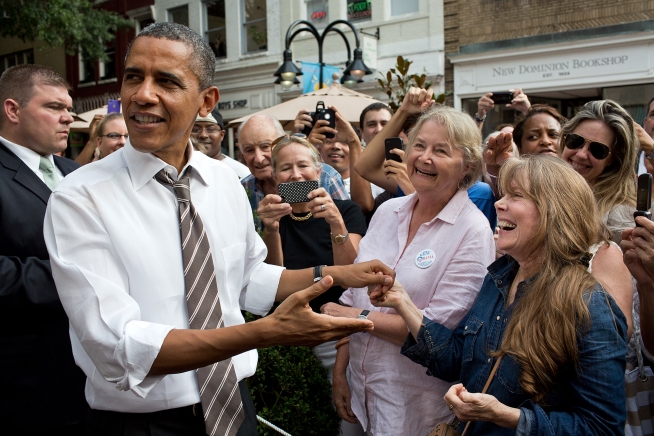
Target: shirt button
505 319
499 282
488 360
466 328
498 317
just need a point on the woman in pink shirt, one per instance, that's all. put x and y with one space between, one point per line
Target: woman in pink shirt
439 244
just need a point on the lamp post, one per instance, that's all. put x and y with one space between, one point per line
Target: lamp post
354 71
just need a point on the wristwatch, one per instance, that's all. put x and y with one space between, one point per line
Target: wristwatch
363 315
317 273
339 239
480 120
650 156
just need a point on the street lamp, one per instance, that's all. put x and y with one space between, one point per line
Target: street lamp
356 69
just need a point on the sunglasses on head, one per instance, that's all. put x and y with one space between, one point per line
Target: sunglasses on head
597 149
287 136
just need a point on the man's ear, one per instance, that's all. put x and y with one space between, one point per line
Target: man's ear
11 110
211 95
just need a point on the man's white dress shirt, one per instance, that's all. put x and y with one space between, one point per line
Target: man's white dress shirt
112 232
31 158
240 169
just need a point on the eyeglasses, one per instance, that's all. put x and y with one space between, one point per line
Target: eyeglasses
597 149
287 136
115 136
209 130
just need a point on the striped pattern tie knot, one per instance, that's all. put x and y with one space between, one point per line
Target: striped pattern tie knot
219 392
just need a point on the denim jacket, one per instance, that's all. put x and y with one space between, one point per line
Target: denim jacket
587 401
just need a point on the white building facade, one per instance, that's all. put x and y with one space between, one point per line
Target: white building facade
248 38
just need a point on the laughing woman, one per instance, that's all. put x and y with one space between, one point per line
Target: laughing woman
601 144
559 337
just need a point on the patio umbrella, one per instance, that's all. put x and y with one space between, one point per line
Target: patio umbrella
82 121
348 102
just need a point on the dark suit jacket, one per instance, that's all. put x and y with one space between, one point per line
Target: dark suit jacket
42 388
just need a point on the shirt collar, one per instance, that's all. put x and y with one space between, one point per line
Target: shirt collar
143 166
29 157
448 214
503 271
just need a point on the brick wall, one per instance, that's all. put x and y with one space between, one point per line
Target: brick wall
476 21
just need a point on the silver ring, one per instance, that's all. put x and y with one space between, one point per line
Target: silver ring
451 406
322 208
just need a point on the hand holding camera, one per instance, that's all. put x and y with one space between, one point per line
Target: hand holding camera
271 209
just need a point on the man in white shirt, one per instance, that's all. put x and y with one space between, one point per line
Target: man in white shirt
120 273
43 388
210 132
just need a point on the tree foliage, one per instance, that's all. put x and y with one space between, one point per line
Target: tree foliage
72 24
396 92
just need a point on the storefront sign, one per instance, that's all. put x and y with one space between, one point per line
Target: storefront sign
567 68
358 10
370 51
234 104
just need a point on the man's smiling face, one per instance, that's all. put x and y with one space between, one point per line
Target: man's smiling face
160 95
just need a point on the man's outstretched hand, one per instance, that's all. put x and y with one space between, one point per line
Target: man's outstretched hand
295 323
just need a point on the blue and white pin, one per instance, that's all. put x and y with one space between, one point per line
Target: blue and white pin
425 258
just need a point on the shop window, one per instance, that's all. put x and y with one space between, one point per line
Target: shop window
215 25
86 69
403 7
179 15
108 67
255 29
359 10
318 12
17 58
142 22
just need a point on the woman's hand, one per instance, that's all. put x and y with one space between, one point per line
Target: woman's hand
638 248
397 172
271 210
322 206
480 407
520 101
484 105
417 100
498 149
646 141
383 296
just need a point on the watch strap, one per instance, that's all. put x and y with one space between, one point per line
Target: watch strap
364 314
339 239
317 273
650 156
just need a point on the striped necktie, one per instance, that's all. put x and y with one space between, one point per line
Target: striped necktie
49 175
219 392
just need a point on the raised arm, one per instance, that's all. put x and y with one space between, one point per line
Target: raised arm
371 161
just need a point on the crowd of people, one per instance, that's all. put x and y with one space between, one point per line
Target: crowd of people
500 285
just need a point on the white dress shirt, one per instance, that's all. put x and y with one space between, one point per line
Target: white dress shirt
112 232
31 158
240 169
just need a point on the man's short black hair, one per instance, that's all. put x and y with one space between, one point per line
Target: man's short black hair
202 60
373 107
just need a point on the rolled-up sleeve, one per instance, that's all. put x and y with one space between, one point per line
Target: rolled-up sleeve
92 284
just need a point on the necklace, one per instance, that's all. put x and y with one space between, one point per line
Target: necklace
301 218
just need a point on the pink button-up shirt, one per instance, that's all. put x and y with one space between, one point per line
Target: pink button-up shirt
442 269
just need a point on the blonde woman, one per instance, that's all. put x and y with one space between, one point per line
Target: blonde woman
601 144
561 336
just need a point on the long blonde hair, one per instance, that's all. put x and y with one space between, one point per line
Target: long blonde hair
616 185
542 332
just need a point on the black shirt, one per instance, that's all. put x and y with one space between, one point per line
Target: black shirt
307 243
